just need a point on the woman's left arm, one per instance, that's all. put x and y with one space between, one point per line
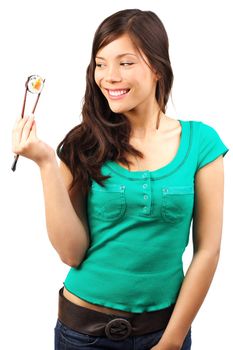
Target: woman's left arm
207 230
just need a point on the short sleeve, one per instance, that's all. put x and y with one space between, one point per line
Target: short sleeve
210 145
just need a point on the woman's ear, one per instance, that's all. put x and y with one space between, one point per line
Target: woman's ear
157 75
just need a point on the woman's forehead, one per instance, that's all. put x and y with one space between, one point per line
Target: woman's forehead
122 42
119 47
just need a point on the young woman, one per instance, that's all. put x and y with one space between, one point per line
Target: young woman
120 205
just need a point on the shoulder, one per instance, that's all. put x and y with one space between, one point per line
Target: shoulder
208 143
206 130
200 124
203 133
202 129
172 123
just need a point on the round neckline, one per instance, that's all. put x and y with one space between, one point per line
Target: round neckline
167 168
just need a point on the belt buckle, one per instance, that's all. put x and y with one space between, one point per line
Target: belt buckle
118 329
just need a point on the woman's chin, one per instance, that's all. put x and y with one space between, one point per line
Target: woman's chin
119 109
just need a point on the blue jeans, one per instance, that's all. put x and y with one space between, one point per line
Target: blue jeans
67 339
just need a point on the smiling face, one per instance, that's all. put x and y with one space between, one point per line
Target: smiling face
124 77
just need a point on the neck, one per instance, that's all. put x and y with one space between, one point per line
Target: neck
145 122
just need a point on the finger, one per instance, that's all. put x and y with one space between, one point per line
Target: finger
32 134
27 129
17 131
17 120
20 122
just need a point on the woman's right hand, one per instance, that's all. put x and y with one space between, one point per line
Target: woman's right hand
26 143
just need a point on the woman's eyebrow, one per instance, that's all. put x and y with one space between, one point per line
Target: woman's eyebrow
118 56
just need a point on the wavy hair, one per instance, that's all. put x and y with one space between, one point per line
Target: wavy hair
102 134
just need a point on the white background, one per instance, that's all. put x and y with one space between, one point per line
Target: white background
53 39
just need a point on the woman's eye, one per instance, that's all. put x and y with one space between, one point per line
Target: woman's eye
126 63
99 65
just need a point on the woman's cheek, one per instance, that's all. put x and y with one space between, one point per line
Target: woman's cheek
98 76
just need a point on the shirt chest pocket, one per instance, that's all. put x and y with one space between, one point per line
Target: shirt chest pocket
107 203
177 202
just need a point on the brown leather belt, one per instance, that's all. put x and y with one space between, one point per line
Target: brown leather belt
115 327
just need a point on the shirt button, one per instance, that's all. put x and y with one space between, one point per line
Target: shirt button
144 185
122 187
144 175
165 190
145 196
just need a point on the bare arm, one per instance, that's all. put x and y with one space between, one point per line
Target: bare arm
207 230
65 212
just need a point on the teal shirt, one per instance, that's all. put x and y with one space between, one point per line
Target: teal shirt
139 228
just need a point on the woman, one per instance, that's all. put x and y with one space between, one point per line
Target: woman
120 205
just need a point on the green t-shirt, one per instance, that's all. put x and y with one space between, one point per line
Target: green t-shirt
139 228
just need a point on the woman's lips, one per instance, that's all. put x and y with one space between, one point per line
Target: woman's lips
116 94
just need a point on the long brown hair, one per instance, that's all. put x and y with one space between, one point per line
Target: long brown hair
104 135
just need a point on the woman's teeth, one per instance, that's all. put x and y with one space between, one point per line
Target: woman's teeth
117 92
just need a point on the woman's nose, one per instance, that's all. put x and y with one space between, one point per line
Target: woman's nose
112 74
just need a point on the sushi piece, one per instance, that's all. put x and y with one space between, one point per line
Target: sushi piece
35 84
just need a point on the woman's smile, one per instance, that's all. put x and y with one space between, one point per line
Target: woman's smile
117 94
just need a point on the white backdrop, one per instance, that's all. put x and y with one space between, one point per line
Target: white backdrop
53 39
